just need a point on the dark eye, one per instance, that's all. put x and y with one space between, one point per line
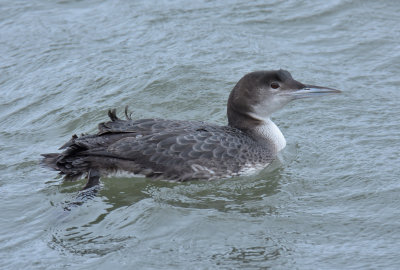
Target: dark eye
275 85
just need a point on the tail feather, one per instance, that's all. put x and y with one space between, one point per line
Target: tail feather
79 153
59 162
50 160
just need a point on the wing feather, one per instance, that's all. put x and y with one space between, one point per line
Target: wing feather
169 149
174 152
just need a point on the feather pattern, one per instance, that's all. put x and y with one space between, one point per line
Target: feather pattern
166 149
185 150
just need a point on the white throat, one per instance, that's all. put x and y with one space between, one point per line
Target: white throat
271 132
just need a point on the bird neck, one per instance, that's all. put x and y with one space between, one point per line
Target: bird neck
260 128
270 131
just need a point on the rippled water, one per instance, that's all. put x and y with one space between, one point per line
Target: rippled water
330 202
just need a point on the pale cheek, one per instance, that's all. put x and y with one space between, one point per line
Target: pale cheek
270 106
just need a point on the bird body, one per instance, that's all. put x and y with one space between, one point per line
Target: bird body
186 150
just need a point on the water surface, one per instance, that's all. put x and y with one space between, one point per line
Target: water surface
330 202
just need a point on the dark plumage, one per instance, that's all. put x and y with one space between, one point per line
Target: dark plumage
185 150
168 149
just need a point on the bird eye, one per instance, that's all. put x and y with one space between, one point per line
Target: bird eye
275 85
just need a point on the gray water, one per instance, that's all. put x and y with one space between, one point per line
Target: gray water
330 202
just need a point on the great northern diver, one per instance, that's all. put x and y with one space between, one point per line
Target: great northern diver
186 150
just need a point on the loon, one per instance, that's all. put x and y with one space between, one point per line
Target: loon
186 150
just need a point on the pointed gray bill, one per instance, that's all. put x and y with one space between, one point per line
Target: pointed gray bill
313 91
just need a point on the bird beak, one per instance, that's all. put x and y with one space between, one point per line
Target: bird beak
313 91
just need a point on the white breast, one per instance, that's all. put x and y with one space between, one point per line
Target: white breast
271 132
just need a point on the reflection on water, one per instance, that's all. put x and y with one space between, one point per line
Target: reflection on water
125 206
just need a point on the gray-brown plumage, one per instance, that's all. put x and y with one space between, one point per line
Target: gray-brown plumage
185 150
